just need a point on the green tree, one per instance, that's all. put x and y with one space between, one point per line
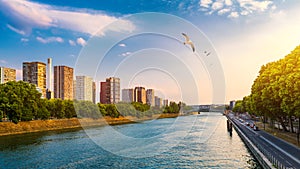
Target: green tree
19 101
69 109
43 112
112 111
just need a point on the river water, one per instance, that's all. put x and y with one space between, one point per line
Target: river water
198 141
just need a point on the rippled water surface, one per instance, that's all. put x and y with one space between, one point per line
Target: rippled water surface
187 142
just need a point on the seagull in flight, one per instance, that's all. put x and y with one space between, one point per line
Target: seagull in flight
207 53
188 42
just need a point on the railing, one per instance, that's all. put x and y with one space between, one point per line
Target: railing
267 154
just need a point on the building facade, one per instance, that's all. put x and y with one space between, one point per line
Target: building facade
7 74
103 93
150 97
231 104
158 102
50 91
128 95
165 102
84 88
110 91
140 95
63 82
35 73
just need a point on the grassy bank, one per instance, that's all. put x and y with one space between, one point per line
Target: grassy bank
287 136
9 128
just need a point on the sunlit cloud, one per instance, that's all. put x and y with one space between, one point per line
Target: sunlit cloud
233 15
81 41
16 30
205 3
236 8
122 45
125 54
25 16
72 43
24 40
49 39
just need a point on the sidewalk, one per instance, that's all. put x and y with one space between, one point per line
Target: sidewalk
286 136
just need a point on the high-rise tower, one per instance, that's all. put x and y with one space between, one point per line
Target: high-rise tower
49 79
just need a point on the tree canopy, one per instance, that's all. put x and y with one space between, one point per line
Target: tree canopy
275 92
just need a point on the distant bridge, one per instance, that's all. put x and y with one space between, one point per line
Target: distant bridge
208 108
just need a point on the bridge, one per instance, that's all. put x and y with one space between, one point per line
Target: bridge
207 108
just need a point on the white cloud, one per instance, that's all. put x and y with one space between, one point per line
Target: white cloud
81 41
223 11
217 5
228 2
24 40
16 30
233 15
122 45
125 54
29 15
205 3
253 5
72 43
236 8
49 39
245 13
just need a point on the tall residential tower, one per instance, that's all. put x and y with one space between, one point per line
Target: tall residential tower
49 85
63 82
84 88
140 95
35 73
110 91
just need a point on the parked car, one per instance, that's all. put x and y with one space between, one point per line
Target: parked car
252 125
247 124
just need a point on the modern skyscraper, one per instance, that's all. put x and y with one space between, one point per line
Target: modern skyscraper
35 73
63 82
150 97
110 91
140 95
84 88
50 92
7 74
128 95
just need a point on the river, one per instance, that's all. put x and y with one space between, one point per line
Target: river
198 141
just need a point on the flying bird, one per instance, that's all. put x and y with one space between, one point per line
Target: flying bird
207 53
188 42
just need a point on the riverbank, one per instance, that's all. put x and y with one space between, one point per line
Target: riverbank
9 128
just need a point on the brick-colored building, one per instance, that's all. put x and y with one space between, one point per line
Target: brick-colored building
63 82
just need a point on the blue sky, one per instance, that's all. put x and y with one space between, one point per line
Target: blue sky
241 34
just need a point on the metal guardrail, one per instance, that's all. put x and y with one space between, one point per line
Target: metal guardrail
267 154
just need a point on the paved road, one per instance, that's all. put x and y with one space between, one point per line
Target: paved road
285 153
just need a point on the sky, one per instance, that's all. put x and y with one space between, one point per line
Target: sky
140 41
